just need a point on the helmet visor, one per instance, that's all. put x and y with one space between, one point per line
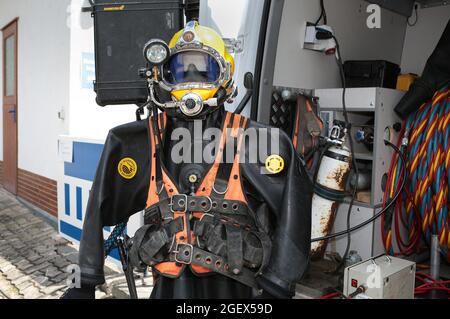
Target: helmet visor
191 67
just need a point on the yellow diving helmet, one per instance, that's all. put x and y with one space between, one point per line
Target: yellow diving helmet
197 72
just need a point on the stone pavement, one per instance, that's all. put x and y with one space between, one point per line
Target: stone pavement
34 258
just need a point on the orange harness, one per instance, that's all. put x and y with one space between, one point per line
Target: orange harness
191 223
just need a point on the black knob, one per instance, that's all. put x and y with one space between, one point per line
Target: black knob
397 127
143 72
190 104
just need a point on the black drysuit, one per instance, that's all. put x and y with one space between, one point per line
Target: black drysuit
283 200
435 75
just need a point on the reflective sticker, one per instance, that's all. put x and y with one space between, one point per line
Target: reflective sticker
275 164
127 168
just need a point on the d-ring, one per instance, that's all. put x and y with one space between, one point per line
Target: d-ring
161 190
217 192
173 243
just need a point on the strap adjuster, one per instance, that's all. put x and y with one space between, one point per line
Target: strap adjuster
182 202
185 203
184 254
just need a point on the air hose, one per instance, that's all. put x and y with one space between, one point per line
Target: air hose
110 243
423 207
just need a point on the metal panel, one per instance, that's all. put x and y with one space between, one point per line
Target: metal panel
268 66
385 117
361 240
356 99
433 3
403 7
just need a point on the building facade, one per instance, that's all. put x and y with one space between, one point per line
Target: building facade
51 129
47 70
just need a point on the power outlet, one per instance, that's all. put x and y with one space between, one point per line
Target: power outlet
311 42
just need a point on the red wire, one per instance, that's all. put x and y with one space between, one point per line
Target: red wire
425 290
395 158
385 197
425 275
439 283
331 295
431 284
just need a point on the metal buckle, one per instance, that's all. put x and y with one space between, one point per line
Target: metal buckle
185 203
210 204
185 248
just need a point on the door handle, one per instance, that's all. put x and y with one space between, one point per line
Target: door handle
14 112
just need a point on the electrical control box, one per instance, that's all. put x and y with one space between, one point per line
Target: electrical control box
384 277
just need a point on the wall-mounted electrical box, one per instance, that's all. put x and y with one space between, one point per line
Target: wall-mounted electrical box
313 40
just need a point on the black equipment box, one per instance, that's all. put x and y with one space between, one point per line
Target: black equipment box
371 74
192 9
121 29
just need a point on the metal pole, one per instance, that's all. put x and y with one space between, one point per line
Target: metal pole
127 268
435 258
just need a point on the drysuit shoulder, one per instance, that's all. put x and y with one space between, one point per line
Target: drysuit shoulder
116 193
263 141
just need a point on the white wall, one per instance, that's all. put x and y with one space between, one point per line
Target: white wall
422 38
86 118
236 19
53 35
223 16
43 75
306 69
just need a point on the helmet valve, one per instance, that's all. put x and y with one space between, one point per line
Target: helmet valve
192 104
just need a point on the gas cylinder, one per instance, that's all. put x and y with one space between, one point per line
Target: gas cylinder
329 192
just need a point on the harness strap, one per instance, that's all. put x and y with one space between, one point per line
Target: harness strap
200 257
210 230
225 245
235 188
235 249
231 149
206 204
207 185
266 249
149 242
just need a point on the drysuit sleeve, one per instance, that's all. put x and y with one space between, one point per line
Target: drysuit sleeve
114 198
289 196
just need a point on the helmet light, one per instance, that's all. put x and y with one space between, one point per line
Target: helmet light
156 52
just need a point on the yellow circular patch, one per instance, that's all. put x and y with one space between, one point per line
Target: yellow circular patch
127 168
275 164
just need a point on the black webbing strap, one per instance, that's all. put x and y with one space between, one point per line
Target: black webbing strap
148 242
219 265
158 212
157 149
205 204
206 229
266 244
234 249
188 254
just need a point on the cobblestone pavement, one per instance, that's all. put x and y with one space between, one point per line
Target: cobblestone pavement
34 258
